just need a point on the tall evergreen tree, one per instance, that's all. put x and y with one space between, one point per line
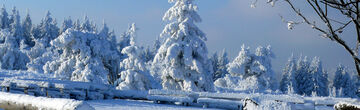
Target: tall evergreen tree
47 30
27 26
4 20
319 77
343 83
249 72
87 25
67 23
182 58
220 65
15 26
135 76
303 77
112 65
288 77
11 58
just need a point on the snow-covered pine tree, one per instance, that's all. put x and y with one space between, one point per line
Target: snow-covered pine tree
288 76
15 27
146 54
67 23
343 81
319 77
262 64
357 85
87 25
43 33
156 46
26 27
220 62
135 76
214 61
249 72
4 20
304 77
125 37
182 58
11 58
47 30
77 24
112 65
83 58
238 68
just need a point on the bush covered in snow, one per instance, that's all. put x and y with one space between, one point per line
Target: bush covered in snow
11 57
84 57
249 72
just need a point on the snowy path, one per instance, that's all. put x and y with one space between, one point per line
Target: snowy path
136 105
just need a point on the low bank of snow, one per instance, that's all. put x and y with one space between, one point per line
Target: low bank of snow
136 105
21 100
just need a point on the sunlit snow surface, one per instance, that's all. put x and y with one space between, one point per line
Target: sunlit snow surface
136 105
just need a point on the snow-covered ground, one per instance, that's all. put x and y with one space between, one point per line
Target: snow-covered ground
120 104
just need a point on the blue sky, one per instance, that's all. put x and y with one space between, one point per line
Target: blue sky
227 23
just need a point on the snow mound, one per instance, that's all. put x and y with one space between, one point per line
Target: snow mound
43 102
346 106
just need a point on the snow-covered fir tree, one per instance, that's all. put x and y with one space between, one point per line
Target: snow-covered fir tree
156 45
11 58
15 26
43 33
147 54
135 75
304 77
47 30
219 65
343 83
87 25
262 64
125 38
182 60
4 20
288 76
84 57
112 65
319 77
249 72
26 28
67 23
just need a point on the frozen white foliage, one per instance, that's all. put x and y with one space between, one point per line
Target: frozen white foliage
27 26
319 77
11 58
303 77
87 25
134 76
67 23
4 20
249 72
288 80
219 63
105 34
84 57
43 34
182 62
15 26
342 83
